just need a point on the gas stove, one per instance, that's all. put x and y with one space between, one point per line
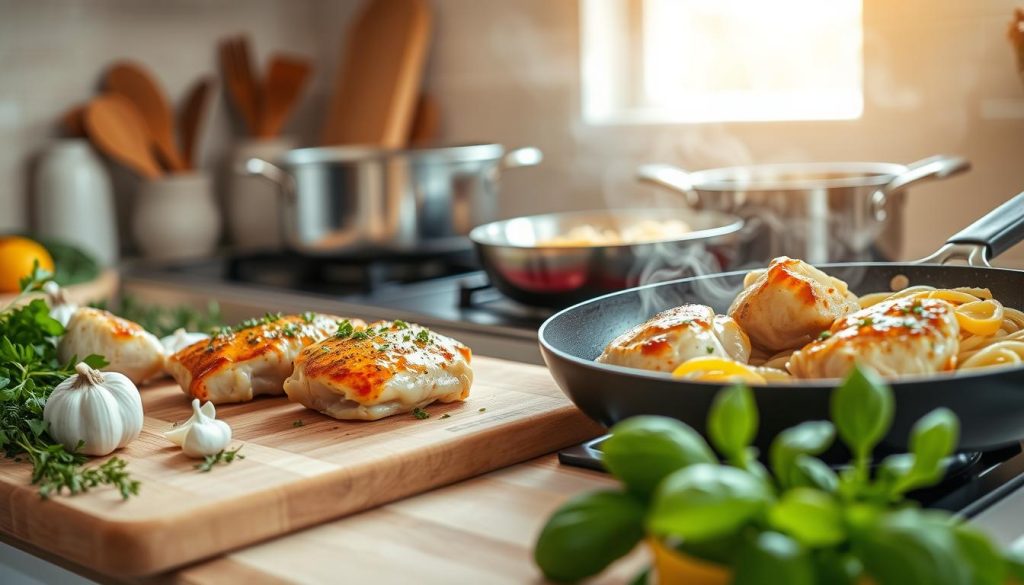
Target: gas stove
447 292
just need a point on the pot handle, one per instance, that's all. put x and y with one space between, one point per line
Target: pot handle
939 166
672 178
526 156
986 238
257 167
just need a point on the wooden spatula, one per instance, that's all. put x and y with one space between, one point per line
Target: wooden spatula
117 129
426 122
72 123
137 84
191 119
379 75
285 79
240 82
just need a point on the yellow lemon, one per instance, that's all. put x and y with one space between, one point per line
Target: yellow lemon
17 256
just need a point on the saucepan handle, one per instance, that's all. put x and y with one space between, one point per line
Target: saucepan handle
986 238
939 166
527 156
257 167
670 177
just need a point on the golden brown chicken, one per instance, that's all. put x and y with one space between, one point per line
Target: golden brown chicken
897 338
386 369
788 304
127 347
676 335
253 359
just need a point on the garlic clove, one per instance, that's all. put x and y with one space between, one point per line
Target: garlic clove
206 435
181 339
177 434
60 308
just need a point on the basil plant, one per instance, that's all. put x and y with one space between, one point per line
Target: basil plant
796 521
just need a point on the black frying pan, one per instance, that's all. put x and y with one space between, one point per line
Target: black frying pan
990 403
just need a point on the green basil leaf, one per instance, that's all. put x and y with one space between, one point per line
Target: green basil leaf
809 438
932 440
836 568
862 409
732 421
810 516
811 472
706 501
912 546
981 556
773 558
643 450
587 534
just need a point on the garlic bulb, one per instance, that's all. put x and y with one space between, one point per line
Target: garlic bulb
202 434
61 308
103 410
181 339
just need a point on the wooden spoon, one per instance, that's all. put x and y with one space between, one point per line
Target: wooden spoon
117 129
285 80
426 122
192 115
72 123
138 85
239 81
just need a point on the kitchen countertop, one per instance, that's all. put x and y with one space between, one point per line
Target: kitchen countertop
477 531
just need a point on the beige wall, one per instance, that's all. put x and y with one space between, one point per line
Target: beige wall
939 78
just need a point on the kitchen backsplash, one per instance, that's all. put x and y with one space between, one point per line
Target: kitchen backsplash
939 77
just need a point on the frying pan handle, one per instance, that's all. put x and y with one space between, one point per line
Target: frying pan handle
986 238
527 156
670 177
257 167
939 166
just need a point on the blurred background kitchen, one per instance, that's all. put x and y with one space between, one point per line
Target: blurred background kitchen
600 87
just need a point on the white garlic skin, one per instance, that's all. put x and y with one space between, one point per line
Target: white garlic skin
205 435
103 410
177 434
181 339
61 309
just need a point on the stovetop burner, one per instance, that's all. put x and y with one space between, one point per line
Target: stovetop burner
974 481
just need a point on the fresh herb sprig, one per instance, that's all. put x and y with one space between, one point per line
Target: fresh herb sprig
162 321
29 371
800 522
224 457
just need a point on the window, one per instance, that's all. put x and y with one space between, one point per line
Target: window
721 60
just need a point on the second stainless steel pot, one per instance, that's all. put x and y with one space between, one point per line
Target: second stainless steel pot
341 199
819 212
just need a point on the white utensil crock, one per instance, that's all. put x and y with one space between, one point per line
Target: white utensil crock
253 204
75 201
176 217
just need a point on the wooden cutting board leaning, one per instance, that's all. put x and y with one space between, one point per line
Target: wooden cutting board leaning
300 468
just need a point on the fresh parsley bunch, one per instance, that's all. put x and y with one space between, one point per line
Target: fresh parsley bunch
29 371
800 522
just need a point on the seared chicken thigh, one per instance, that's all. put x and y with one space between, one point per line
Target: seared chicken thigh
386 369
253 359
129 349
671 337
786 305
897 337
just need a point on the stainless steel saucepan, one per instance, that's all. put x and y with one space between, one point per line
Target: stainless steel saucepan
820 212
342 199
523 264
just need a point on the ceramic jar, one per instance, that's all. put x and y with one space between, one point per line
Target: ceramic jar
75 200
176 217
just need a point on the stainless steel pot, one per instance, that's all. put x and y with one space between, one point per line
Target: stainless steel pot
341 199
524 268
820 212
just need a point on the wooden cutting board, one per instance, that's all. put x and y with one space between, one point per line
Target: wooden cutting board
294 474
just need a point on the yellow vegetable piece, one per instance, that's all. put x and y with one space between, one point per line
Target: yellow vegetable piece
17 256
713 369
980 317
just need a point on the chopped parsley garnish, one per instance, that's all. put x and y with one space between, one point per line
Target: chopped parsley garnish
290 330
445 415
867 322
420 413
360 335
345 329
482 410
918 309
423 336
709 349
308 316
407 337
224 457
298 423
384 347
325 349
824 335
269 318
399 324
